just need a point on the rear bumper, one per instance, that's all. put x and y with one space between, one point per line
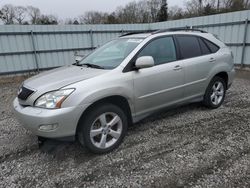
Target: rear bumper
65 119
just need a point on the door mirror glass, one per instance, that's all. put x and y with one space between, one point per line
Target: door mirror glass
144 62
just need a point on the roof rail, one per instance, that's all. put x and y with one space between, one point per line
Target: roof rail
178 29
188 28
138 32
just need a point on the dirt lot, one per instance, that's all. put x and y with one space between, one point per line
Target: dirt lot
190 146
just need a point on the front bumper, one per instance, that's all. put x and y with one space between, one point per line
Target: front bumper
66 119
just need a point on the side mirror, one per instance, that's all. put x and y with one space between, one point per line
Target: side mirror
78 58
144 62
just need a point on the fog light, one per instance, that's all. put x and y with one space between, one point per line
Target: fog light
49 127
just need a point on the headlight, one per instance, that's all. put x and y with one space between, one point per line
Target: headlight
53 99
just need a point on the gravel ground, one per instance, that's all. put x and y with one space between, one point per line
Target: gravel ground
189 146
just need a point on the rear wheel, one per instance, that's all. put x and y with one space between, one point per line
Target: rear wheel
215 93
103 128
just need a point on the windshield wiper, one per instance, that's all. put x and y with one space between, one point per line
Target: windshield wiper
91 65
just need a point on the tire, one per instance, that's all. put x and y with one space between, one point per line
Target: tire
215 93
103 128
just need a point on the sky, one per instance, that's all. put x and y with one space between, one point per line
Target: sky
73 8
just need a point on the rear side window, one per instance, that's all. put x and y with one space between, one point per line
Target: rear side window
189 46
204 48
214 48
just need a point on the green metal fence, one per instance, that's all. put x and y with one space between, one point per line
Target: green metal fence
36 47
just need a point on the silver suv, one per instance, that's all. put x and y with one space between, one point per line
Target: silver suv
125 80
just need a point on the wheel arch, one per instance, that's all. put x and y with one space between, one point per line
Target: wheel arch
117 100
207 100
224 76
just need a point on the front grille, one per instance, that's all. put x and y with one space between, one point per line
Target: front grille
24 93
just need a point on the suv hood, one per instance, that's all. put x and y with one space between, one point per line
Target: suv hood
60 77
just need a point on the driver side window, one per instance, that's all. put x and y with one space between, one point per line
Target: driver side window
162 50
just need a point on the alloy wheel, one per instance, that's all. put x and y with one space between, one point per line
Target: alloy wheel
217 93
106 130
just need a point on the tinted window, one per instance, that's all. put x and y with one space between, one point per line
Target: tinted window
212 46
189 46
162 50
204 49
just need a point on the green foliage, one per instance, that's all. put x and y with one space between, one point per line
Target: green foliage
163 12
208 10
47 20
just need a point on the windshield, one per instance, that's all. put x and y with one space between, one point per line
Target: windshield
111 54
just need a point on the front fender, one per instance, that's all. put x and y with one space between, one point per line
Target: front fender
97 95
113 84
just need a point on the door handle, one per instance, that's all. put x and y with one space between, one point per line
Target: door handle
177 67
211 59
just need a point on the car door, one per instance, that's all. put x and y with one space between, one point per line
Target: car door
197 63
162 84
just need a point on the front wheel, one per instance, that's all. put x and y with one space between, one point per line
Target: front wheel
103 128
215 93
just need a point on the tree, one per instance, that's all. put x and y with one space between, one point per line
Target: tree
200 7
76 22
112 19
1 16
208 10
237 5
232 5
163 13
153 8
34 14
196 7
144 11
218 5
247 4
20 14
93 17
144 14
8 14
47 20
70 21
175 13
128 14
141 11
